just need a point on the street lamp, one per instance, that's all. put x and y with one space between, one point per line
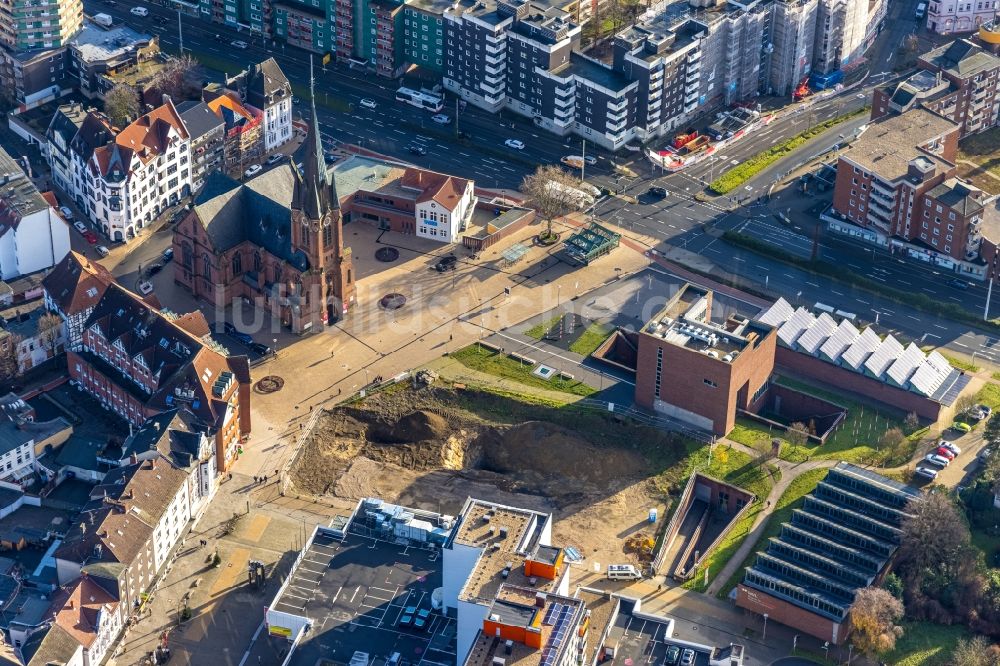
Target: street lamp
826 651
764 637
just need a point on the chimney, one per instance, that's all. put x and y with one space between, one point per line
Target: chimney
134 458
70 604
540 598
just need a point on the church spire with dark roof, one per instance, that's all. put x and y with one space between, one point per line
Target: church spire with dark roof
315 193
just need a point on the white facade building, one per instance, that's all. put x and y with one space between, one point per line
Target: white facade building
442 214
144 171
266 87
950 17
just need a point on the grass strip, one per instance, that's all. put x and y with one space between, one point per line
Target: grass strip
749 168
494 363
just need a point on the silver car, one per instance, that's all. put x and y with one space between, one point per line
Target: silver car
687 657
935 459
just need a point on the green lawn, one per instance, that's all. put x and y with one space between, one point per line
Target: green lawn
855 440
791 499
982 149
590 339
961 364
539 330
989 395
501 365
926 644
734 467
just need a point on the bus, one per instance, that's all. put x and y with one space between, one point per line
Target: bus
420 99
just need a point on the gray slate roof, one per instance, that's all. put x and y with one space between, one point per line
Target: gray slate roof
198 118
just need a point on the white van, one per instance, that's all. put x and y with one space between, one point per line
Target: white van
623 572
104 20
921 11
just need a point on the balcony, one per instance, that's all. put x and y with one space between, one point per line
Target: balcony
881 197
565 103
695 55
617 106
494 72
496 49
878 187
496 59
616 127
656 76
492 89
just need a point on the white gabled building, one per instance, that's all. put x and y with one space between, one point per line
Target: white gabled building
144 171
266 87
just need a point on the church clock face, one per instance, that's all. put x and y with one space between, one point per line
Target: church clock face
327 221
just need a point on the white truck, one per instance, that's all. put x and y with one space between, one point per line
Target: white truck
103 20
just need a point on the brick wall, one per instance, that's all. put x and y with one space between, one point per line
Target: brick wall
779 610
848 380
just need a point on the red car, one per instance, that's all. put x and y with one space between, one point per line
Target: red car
90 236
945 453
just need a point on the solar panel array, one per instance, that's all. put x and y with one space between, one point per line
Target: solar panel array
861 351
560 617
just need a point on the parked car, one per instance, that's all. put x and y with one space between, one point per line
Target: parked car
153 269
935 459
242 338
950 446
959 284
252 171
260 348
516 144
145 287
102 251
590 160
274 159
961 427
984 454
441 119
687 657
238 44
986 410
90 236
80 226
368 103
926 472
945 453
66 212
657 191
168 255
672 656
416 149
448 263
139 11
228 328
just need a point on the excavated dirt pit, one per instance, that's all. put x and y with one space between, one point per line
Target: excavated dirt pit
428 449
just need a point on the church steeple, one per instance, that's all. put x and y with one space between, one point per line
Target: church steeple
315 192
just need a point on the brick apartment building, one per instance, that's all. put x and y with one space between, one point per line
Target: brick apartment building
698 370
140 362
898 184
958 80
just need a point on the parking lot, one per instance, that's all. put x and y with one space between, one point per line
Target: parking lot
644 640
357 591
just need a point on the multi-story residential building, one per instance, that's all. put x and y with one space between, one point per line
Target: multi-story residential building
30 25
959 81
897 186
36 338
139 363
208 140
952 17
793 34
72 289
99 57
264 86
311 27
144 171
65 123
33 236
423 34
91 616
94 132
244 129
277 240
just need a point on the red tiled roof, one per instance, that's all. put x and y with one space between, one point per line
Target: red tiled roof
445 190
76 283
78 615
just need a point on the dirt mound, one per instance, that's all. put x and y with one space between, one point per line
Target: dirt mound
420 426
555 452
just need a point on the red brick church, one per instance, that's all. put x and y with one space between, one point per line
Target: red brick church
276 239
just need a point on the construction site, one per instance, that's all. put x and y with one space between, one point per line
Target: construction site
431 448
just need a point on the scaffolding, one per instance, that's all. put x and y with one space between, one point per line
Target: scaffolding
590 243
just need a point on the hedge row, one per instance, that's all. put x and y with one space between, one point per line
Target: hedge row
919 301
749 168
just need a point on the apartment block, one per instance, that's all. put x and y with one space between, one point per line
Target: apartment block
208 140
264 86
953 17
793 34
36 25
959 81
898 182
98 57
423 34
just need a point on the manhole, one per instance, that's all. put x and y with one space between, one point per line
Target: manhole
387 254
269 384
392 301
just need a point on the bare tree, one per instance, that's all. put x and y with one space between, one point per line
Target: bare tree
553 193
797 434
121 105
934 534
179 78
49 331
873 619
891 440
8 356
964 404
912 421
